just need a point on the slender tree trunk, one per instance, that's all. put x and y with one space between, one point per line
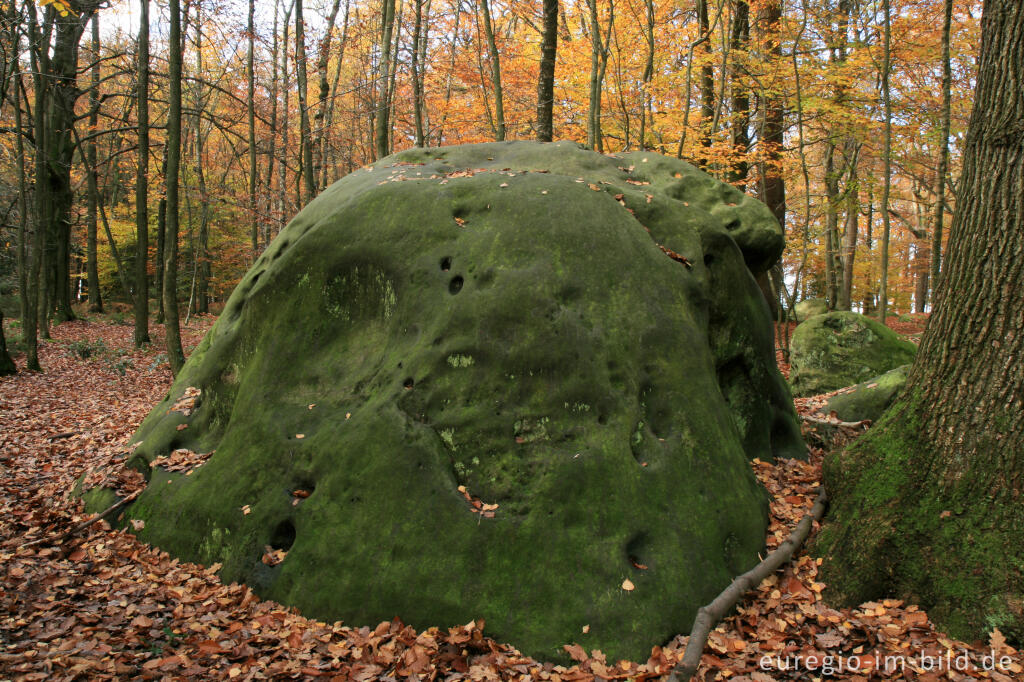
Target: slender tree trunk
161 231
647 108
272 151
305 134
740 94
707 78
250 111
927 504
495 58
142 185
883 287
546 79
850 236
382 130
327 147
201 273
940 179
418 43
599 52
19 147
93 198
175 353
319 148
38 60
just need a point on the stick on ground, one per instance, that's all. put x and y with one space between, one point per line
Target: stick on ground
84 524
708 616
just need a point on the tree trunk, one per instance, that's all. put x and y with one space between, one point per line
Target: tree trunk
382 129
7 366
142 185
646 107
740 94
707 79
927 504
849 251
250 112
940 179
320 118
599 51
546 77
305 134
41 204
201 272
495 58
93 198
883 286
175 353
418 43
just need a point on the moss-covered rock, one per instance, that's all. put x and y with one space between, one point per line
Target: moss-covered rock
809 308
868 399
840 349
504 379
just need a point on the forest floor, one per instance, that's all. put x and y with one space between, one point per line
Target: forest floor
101 605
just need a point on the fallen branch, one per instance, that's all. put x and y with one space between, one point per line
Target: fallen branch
708 616
84 524
827 422
59 436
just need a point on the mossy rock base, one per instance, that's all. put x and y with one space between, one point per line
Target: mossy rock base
840 349
868 399
808 308
574 338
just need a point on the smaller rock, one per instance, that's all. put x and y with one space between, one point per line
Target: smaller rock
869 399
842 348
809 308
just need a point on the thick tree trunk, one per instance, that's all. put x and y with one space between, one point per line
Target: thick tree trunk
546 79
142 185
740 94
418 44
927 504
707 79
250 113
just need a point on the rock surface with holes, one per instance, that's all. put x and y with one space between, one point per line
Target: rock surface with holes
493 381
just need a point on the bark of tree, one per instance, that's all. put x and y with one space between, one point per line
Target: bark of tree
305 133
41 204
495 59
7 366
142 185
19 142
849 251
940 178
382 124
647 109
202 266
599 52
250 112
175 353
927 504
707 79
418 44
740 94
883 286
93 195
546 77
320 118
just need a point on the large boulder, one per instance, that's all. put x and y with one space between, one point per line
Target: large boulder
514 381
808 308
868 399
843 348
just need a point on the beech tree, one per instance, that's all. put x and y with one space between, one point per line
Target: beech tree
927 504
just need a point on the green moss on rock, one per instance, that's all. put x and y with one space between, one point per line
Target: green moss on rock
505 319
810 307
868 399
840 349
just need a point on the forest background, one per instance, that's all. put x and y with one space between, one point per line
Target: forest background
847 117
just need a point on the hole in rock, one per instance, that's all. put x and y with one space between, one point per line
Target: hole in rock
455 286
446 263
408 383
733 224
284 536
602 419
637 550
709 259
